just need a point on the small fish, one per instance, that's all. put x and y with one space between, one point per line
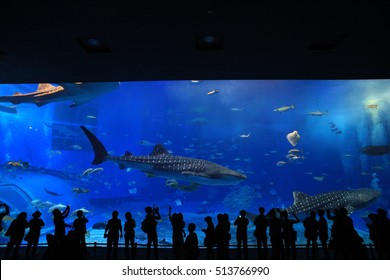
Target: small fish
295 151
319 178
284 108
85 211
80 190
91 117
86 172
235 109
245 135
195 81
59 206
145 143
318 113
19 163
76 147
98 169
213 91
178 202
281 163
372 106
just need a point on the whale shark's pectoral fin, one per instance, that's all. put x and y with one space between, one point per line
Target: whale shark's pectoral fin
350 209
197 174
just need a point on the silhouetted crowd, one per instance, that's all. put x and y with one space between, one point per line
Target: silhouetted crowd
277 227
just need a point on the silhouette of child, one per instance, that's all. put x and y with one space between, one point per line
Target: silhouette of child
191 249
129 235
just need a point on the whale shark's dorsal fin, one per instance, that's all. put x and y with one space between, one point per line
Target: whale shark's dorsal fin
44 87
300 196
158 150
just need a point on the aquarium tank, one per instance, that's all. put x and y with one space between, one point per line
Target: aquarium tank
202 147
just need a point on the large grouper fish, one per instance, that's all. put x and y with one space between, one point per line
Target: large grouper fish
160 163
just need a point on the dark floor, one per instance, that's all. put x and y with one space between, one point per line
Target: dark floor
99 252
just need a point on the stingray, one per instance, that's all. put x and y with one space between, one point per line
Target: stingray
293 138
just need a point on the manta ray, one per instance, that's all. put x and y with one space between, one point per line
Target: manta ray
161 163
79 93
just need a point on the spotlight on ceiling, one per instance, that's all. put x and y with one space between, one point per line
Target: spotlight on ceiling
93 45
209 41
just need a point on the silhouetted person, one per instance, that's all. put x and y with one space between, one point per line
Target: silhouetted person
261 224
129 235
209 240
275 234
311 233
383 235
113 232
3 213
32 237
227 235
343 234
191 249
80 229
16 233
323 233
242 234
289 235
178 234
149 225
59 222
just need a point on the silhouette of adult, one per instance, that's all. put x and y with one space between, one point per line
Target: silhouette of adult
149 226
222 236
32 237
80 229
16 232
343 233
261 224
323 233
209 240
383 235
113 232
242 234
4 213
129 235
178 234
289 235
311 234
275 233
59 222
227 235
191 248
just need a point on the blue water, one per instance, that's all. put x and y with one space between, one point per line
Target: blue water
190 122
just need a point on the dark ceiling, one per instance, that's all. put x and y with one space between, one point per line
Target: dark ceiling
87 40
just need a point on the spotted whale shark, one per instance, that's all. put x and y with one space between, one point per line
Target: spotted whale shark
79 93
349 199
160 163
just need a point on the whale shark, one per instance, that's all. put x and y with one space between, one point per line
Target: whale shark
46 93
349 199
376 150
160 163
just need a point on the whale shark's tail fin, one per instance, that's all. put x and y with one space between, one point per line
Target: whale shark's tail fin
98 148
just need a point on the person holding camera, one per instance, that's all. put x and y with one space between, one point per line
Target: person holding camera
149 226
